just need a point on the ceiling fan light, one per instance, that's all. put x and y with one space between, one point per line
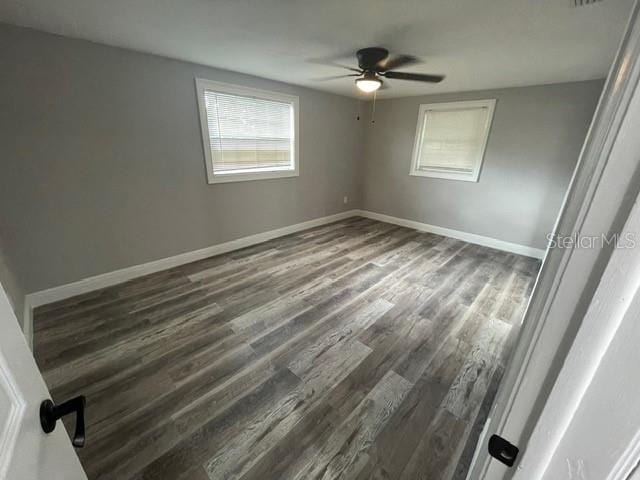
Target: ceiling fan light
368 85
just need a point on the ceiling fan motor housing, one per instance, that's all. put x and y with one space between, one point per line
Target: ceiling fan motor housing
369 57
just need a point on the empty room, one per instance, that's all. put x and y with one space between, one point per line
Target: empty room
317 240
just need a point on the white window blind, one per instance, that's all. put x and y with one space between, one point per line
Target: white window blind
249 133
451 139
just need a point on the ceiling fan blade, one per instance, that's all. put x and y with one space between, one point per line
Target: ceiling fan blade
330 63
418 77
334 77
396 61
346 67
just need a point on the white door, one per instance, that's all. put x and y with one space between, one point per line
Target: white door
590 425
26 452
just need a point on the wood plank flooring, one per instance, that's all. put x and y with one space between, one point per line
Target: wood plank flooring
356 350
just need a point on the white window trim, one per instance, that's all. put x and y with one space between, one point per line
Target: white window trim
202 85
490 104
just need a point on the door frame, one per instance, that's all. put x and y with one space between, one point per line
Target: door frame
599 198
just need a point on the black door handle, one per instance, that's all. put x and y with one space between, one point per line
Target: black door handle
50 413
502 450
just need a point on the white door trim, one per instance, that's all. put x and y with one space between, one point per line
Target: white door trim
11 430
598 200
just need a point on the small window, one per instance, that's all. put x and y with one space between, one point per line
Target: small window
451 139
248 134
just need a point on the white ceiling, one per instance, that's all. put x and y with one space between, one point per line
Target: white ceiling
478 44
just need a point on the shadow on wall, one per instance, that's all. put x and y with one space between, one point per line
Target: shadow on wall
11 286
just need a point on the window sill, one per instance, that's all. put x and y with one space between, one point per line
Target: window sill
247 177
447 175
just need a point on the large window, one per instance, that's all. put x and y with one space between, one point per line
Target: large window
451 139
248 134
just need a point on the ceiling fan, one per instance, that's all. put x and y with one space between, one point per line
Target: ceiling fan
375 62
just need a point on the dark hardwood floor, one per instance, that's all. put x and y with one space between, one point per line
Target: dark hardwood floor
354 350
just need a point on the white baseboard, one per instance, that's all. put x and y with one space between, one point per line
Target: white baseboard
55 294
108 279
448 232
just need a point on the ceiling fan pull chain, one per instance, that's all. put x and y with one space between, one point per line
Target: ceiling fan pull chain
373 111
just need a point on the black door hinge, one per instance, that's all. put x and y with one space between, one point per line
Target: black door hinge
502 450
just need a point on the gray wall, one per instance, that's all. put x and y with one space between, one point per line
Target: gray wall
102 162
14 290
533 147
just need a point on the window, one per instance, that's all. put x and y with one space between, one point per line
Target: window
248 134
451 139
